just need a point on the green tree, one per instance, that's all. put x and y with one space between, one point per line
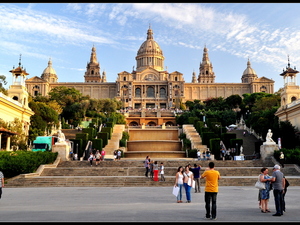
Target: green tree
43 120
66 96
216 104
234 101
2 83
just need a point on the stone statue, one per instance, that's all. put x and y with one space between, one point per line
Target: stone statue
241 150
61 137
269 136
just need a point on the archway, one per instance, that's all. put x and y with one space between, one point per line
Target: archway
133 123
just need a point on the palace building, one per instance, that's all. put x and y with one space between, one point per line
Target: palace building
150 85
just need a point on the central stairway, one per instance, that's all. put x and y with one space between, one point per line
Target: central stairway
130 173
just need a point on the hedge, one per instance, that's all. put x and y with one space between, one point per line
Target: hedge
21 162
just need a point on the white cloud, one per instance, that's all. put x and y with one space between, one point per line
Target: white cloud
76 7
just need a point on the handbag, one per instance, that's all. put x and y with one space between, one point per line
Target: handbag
175 190
191 183
260 185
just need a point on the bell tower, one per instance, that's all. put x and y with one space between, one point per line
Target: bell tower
92 73
18 90
206 73
291 91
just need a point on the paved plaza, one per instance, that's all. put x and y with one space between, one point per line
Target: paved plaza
137 204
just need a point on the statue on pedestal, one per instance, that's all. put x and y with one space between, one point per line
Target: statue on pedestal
61 137
269 136
241 150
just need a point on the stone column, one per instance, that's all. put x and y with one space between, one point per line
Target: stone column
8 144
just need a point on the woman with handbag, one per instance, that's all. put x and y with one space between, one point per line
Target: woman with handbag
188 179
265 193
179 183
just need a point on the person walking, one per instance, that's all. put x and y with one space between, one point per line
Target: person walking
102 154
98 157
265 193
1 182
198 155
162 172
146 165
278 185
212 177
196 172
151 168
179 183
91 158
119 154
286 184
155 171
115 155
281 159
188 178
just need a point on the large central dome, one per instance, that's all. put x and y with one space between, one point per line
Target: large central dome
150 54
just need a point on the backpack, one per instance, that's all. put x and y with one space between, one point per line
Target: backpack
286 183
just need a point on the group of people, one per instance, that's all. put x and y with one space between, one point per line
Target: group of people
152 169
229 153
117 155
186 176
96 156
278 183
205 155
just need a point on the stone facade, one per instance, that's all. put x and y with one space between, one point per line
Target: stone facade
15 104
150 85
290 98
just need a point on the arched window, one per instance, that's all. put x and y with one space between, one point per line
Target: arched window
92 72
293 99
138 92
150 92
124 78
263 89
162 93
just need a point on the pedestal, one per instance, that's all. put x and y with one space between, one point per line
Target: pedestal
63 150
267 150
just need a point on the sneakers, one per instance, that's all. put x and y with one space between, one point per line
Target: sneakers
213 218
206 218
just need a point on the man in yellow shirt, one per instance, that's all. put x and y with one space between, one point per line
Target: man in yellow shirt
212 177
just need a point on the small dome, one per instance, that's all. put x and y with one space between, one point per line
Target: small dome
49 69
249 70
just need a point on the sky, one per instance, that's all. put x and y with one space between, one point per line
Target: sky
267 34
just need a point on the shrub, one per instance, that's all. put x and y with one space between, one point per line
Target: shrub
20 162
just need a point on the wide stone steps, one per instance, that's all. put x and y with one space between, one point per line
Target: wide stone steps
118 181
139 171
130 173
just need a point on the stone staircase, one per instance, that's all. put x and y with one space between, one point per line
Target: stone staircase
130 173
113 142
193 135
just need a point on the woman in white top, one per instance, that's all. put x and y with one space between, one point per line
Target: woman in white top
187 174
179 183
162 172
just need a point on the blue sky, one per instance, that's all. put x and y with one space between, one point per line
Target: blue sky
266 33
